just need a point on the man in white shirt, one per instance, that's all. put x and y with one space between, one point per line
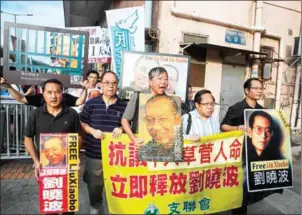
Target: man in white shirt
201 122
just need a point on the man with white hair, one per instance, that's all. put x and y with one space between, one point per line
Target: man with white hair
158 83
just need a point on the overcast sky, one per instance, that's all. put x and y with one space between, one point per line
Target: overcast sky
45 13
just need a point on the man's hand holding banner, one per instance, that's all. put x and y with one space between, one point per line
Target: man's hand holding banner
208 181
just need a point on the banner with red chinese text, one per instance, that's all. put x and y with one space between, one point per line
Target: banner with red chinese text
58 181
208 181
99 44
268 155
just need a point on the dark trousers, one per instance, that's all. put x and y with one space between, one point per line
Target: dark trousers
93 176
241 210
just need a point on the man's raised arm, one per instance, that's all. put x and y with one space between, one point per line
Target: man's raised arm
15 94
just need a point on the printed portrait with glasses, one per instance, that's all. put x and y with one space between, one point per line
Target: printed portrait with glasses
160 127
264 137
53 150
268 150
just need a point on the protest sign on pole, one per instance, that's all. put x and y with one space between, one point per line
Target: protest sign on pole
32 54
99 44
58 180
126 32
268 154
137 65
209 180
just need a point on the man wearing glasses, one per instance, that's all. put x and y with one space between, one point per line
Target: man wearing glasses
201 122
234 118
158 83
100 114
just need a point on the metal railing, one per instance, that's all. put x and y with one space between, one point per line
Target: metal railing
13 117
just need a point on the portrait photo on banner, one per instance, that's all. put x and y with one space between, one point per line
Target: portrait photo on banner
33 54
160 128
58 177
53 150
136 67
268 150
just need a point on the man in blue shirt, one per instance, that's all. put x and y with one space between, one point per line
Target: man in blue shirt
99 115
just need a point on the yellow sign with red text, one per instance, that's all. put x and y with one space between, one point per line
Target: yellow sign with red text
208 181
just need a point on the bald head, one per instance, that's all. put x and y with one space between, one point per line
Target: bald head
161 118
163 98
54 150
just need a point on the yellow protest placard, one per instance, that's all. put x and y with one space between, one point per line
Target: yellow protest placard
208 181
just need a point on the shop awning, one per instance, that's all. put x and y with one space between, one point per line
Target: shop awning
196 49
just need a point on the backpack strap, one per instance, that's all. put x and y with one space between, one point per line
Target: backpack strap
189 124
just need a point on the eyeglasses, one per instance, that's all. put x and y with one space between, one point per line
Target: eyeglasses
160 120
257 88
208 104
109 83
259 130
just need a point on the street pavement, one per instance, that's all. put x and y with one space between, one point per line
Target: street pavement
21 197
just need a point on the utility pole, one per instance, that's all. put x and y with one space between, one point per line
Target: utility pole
15 17
15 20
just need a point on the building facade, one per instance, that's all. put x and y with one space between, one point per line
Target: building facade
228 41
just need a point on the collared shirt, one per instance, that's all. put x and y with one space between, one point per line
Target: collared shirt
98 116
200 126
235 114
40 121
131 112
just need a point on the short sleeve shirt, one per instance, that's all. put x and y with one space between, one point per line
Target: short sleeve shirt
131 112
40 121
100 116
235 114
